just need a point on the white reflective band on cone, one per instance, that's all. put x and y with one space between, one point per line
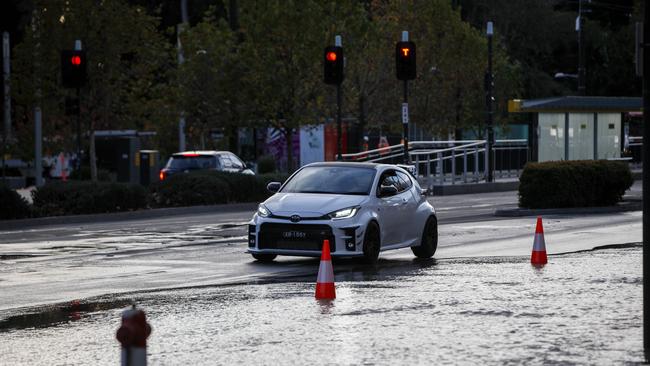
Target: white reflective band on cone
325 272
538 244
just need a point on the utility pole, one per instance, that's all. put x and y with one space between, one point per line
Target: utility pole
181 59
7 99
489 101
581 52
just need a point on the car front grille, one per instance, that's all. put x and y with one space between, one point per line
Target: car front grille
295 236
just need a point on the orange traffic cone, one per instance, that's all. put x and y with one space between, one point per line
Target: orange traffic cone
325 281
539 247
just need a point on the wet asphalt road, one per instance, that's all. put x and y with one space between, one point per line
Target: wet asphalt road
581 308
213 303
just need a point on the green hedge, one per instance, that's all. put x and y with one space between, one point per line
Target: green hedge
13 206
211 187
83 197
581 183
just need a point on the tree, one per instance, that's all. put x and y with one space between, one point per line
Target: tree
283 43
128 60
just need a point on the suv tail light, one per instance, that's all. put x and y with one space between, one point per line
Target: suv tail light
163 174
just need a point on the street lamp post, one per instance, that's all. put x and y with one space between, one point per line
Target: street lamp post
489 99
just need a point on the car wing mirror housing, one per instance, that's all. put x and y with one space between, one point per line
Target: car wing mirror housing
273 187
385 191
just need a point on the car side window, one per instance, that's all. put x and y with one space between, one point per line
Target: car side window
406 180
389 179
225 161
236 163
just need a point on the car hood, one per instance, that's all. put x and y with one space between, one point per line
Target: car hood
310 204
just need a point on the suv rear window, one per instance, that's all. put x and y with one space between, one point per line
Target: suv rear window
189 162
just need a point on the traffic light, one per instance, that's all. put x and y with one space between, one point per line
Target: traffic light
73 68
405 60
333 65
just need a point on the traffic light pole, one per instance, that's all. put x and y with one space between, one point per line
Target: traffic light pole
78 165
405 123
339 129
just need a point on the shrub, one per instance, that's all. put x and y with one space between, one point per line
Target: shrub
266 164
583 183
103 175
13 206
211 187
83 197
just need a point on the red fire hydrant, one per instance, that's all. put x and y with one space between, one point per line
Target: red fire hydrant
133 335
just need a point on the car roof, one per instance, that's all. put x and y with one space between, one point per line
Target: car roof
356 165
202 152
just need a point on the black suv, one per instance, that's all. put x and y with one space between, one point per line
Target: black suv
186 161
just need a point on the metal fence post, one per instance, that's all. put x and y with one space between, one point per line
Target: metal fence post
453 166
476 164
429 177
464 166
440 169
486 155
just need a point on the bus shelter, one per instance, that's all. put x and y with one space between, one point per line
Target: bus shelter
575 127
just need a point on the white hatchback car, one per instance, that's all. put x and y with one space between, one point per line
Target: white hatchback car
361 208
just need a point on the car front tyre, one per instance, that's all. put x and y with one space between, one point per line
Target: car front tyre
429 240
371 243
264 258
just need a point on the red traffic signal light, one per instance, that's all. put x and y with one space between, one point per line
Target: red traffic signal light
333 65
76 60
73 68
405 60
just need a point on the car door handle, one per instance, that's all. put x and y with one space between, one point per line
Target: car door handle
404 201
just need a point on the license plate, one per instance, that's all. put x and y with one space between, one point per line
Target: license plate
293 234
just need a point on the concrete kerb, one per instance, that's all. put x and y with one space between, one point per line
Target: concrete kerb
631 205
123 216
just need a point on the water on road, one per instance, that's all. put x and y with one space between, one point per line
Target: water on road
582 308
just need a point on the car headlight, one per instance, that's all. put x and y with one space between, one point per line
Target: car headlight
345 213
263 211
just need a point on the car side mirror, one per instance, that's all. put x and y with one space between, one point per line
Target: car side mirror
273 187
386 191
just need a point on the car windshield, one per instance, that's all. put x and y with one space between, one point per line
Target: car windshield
189 162
332 180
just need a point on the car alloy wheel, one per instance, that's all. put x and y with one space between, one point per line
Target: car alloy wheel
429 240
371 243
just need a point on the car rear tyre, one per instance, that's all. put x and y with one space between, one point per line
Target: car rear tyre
371 243
429 240
264 258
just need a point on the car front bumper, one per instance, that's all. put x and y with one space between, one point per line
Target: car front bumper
267 235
